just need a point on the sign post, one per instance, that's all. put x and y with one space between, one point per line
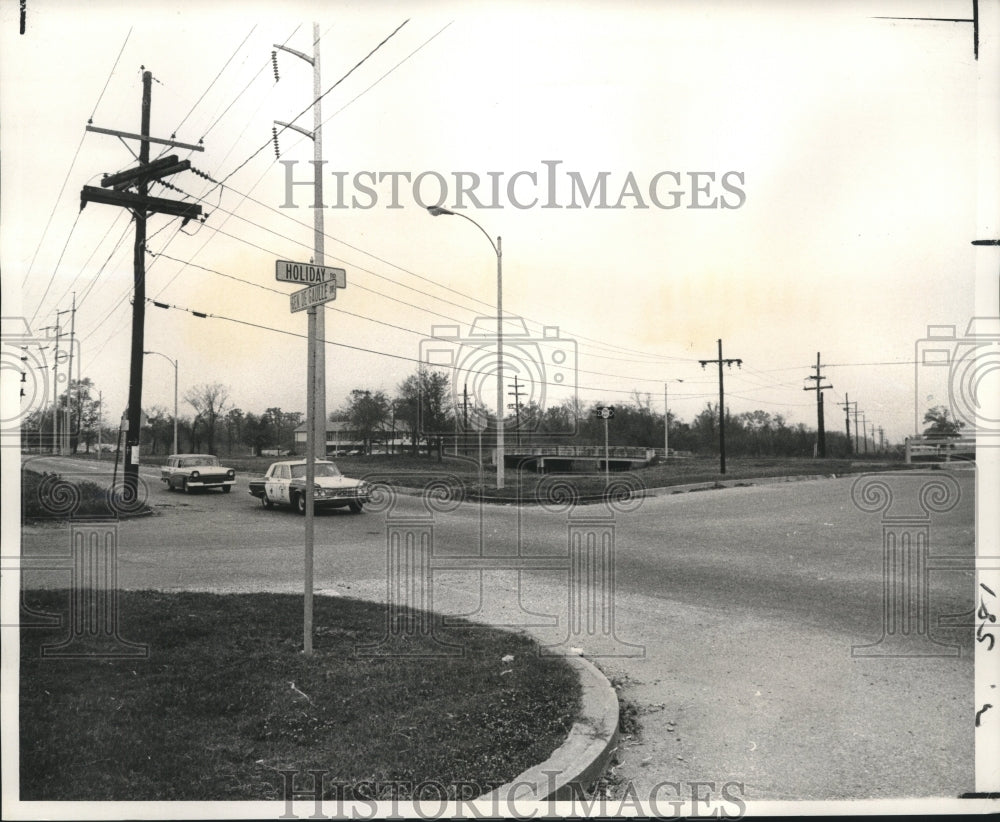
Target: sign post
322 283
307 609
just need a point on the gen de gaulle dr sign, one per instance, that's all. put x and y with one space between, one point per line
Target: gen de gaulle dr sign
286 271
314 295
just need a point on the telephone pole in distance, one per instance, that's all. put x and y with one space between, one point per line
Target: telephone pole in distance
818 388
722 404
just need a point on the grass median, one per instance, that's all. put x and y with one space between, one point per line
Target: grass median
225 701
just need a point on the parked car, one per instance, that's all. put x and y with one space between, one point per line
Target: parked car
190 471
285 484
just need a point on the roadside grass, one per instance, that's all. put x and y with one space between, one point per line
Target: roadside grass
524 485
212 713
49 496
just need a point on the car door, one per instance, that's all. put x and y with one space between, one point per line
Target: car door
276 484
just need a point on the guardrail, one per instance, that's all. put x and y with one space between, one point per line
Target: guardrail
940 449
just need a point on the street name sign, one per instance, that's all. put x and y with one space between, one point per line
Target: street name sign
314 295
286 271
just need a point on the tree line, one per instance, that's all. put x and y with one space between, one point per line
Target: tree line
424 414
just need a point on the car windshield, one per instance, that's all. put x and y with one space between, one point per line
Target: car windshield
194 462
323 469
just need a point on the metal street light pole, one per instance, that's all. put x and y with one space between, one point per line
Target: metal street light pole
666 420
174 364
437 211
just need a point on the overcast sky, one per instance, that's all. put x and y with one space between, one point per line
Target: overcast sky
823 165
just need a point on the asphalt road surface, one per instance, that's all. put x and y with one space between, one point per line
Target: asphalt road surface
731 615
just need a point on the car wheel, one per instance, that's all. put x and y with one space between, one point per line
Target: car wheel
265 501
300 503
226 489
355 507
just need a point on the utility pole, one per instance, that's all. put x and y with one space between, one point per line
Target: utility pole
606 412
847 419
69 375
881 440
55 386
864 432
722 404
55 381
55 393
818 388
141 205
100 420
317 318
666 420
516 405
465 417
857 428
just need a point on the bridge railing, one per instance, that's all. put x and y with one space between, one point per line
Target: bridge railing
570 451
940 449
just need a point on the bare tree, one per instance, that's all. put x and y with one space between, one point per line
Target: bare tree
209 400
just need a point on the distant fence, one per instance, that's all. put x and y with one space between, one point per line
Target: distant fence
940 449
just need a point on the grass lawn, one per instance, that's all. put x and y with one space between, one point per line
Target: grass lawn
211 713
48 496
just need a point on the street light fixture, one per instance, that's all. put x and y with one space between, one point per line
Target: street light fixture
438 211
174 364
666 420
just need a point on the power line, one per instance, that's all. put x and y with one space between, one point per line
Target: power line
310 106
214 81
62 188
247 86
209 315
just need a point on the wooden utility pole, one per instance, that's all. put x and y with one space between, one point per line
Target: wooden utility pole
847 420
516 405
722 404
69 378
141 205
818 388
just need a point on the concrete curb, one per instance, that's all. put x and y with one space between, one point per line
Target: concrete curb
576 764
667 490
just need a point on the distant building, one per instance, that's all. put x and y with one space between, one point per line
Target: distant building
340 438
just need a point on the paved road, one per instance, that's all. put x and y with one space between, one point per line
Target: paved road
744 602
